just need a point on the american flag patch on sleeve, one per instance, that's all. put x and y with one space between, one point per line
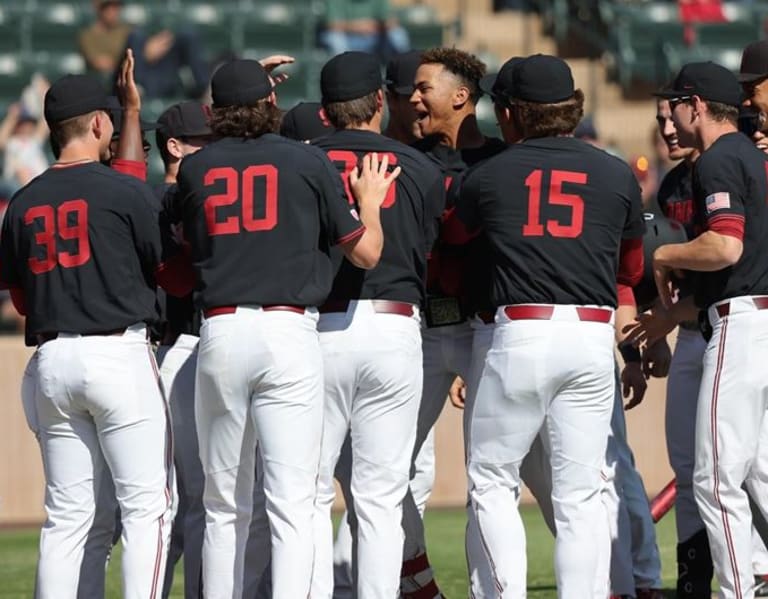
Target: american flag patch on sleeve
718 201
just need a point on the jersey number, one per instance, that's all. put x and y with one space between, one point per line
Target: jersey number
243 187
70 219
534 227
349 159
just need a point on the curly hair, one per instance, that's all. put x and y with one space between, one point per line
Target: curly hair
545 120
246 121
467 67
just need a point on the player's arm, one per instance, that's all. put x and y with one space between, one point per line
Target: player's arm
175 273
10 278
130 149
633 382
369 186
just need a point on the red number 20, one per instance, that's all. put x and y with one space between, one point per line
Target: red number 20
349 159
556 197
243 187
58 218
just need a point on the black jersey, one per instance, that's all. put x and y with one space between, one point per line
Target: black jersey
729 182
459 266
410 216
675 197
554 210
83 243
260 216
179 313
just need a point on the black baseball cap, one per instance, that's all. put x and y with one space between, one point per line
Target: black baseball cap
542 79
186 119
240 82
708 80
495 84
401 72
74 95
754 62
350 75
305 121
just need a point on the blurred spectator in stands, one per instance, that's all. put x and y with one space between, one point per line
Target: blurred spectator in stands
23 134
158 56
699 11
363 26
102 44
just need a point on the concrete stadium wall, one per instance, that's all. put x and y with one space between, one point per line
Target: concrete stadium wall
22 484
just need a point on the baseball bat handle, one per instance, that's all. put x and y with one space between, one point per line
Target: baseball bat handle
664 501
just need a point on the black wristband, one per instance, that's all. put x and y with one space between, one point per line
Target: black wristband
629 353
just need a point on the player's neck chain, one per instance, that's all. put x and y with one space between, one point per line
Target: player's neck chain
64 163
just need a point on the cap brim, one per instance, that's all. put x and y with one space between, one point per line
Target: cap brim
751 77
667 94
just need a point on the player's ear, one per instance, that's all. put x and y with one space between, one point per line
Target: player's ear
461 96
174 148
98 124
379 100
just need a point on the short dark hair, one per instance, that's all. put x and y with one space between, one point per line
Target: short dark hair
723 112
467 67
65 131
352 112
246 121
546 120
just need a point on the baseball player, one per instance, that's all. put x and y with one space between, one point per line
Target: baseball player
305 122
53 247
259 212
582 215
181 131
373 391
729 190
400 76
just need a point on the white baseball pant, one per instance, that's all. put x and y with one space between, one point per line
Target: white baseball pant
421 487
259 376
732 438
177 371
373 383
100 396
535 469
559 374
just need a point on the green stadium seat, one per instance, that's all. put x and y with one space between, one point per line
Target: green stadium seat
55 28
14 76
727 35
427 35
275 26
12 26
54 65
642 47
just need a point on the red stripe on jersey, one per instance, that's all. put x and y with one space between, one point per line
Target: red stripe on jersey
454 231
176 275
350 236
731 225
630 262
134 168
625 294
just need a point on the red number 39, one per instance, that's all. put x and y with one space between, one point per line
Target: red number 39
60 219
349 160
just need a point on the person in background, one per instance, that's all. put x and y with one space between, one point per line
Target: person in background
363 26
102 43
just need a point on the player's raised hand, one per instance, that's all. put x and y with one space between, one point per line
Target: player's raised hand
128 91
458 393
633 384
270 63
371 181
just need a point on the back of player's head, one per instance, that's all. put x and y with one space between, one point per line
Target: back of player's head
305 121
181 121
69 105
243 105
466 67
541 94
350 84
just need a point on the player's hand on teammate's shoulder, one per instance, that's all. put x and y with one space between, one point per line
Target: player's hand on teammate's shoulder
633 384
370 182
458 393
656 359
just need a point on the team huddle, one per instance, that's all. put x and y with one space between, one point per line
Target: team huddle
318 287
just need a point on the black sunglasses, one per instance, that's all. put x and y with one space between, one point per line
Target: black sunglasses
673 102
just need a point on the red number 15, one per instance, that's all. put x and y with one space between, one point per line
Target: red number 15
555 196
